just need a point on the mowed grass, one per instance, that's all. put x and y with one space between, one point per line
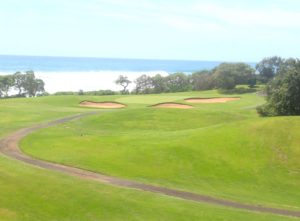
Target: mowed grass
31 194
21 112
28 193
223 150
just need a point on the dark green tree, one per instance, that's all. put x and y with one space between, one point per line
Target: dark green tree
1 86
124 82
202 80
6 83
19 80
159 84
143 85
228 75
283 94
268 68
32 86
80 92
177 82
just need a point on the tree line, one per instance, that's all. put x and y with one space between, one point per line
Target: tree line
281 77
26 84
225 76
87 93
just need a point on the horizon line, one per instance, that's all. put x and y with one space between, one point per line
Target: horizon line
122 58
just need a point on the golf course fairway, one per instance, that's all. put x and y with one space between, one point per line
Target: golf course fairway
223 150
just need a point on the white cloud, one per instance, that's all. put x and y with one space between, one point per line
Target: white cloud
193 16
271 17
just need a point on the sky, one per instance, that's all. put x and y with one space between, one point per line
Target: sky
214 30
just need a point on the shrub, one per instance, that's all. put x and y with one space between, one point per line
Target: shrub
283 95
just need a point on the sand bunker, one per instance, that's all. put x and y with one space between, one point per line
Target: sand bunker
212 100
173 105
110 105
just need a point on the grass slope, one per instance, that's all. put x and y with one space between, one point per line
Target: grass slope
32 194
224 150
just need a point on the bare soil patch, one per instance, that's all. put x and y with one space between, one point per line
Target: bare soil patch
172 105
212 100
106 104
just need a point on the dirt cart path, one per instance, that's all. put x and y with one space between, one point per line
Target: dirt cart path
9 147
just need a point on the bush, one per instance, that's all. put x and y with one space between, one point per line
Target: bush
101 92
65 93
240 90
283 95
227 75
265 110
92 93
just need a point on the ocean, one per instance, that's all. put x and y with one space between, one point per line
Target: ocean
68 64
75 73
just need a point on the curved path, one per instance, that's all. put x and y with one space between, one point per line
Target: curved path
9 147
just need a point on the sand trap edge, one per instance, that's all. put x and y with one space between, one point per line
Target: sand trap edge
172 105
109 104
